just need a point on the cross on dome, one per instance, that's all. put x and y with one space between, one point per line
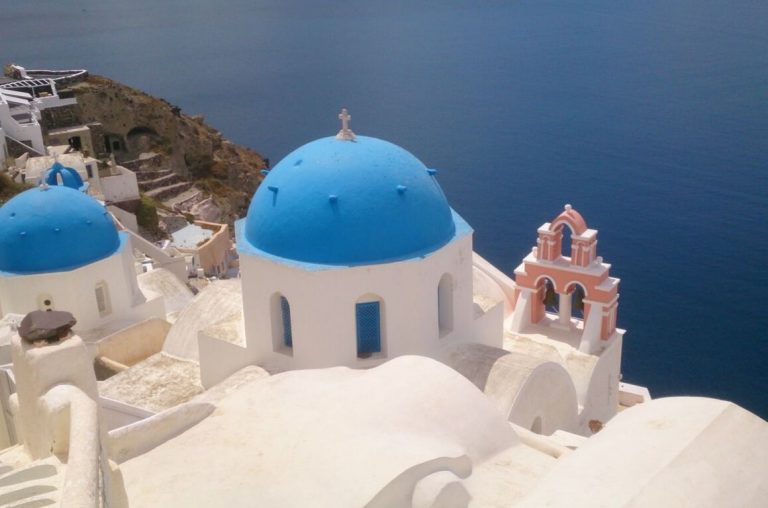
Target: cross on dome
345 133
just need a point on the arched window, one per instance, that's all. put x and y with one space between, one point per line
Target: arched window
577 295
565 239
368 326
285 313
45 302
282 333
445 304
102 298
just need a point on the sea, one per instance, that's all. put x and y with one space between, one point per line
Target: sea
650 117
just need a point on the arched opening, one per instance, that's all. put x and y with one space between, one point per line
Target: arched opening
565 233
577 293
142 139
103 303
445 304
368 326
282 331
550 298
45 302
536 425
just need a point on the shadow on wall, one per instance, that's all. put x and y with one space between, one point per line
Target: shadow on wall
479 368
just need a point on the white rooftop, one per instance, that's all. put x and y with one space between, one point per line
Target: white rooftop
190 236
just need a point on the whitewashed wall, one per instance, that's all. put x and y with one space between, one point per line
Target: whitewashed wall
323 302
120 187
74 291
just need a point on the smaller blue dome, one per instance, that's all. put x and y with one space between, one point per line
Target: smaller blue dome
69 177
54 229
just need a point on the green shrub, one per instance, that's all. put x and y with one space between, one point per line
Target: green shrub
146 214
9 188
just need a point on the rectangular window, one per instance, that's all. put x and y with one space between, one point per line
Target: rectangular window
285 310
101 300
368 318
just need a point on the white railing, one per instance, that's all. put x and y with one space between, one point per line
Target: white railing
75 424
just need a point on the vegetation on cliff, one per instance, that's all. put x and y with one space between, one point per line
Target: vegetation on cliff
9 188
146 215
136 122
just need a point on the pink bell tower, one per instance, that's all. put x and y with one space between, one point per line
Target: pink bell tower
547 271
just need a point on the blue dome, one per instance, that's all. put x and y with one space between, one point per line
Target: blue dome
54 229
340 202
69 177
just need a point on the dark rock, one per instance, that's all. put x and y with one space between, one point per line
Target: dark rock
49 326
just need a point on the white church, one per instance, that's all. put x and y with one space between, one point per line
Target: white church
366 356
60 249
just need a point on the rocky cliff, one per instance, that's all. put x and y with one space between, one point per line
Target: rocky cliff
128 122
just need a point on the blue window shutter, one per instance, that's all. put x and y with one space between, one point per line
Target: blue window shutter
285 309
368 317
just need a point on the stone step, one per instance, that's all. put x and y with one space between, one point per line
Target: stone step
163 181
169 191
152 174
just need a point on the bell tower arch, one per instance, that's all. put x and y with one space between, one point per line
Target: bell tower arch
586 294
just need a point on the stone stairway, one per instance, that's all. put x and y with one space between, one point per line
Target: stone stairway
163 178
143 175
168 191
37 484
161 184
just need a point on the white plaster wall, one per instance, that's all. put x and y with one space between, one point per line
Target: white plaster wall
27 132
602 397
136 342
37 370
219 359
127 219
496 282
670 452
74 291
523 387
120 187
116 414
488 328
546 402
323 307
7 429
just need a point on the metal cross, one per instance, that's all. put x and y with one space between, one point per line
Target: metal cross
345 133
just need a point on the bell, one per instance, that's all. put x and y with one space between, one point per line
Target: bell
550 297
578 302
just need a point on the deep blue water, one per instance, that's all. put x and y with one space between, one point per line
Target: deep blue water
649 116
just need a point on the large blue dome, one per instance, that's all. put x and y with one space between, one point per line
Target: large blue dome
342 202
50 229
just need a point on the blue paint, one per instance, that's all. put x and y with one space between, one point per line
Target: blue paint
30 242
371 225
244 247
69 177
368 324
